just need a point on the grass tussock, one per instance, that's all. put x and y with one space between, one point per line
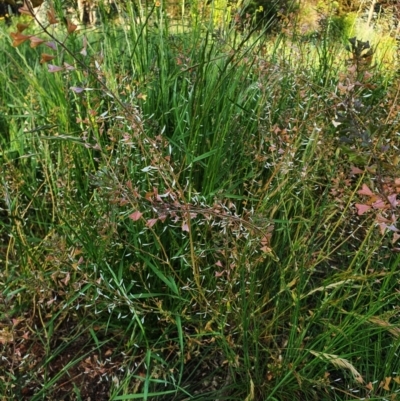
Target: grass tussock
196 214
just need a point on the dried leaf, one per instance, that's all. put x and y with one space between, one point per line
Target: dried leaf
150 223
385 383
52 45
135 216
45 58
54 68
393 228
365 191
65 281
395 237
361 209
22 27
71 27
355 170
162 217
35 41
381 219
25 10
251 395
51 16
69 67
393 200
379 204
5 336
382 228
266 249
19 38
369 386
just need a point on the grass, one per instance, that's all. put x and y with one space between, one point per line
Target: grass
191 220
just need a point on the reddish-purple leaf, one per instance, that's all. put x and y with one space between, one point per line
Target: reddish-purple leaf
69 67
25 10
76 89
393 228
365 191
54 68
382 219
135 216
379 204
150 223
361 209
52 45
382 228
35 41
355 170
162 217
393 200
395 237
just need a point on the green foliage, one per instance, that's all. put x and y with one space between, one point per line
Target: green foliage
196 213
342 26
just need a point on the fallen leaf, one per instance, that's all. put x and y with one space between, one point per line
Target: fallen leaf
379 204
395 237
382 219
393 200
385 384
365 191
65 281
5 336
355 170
361 209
